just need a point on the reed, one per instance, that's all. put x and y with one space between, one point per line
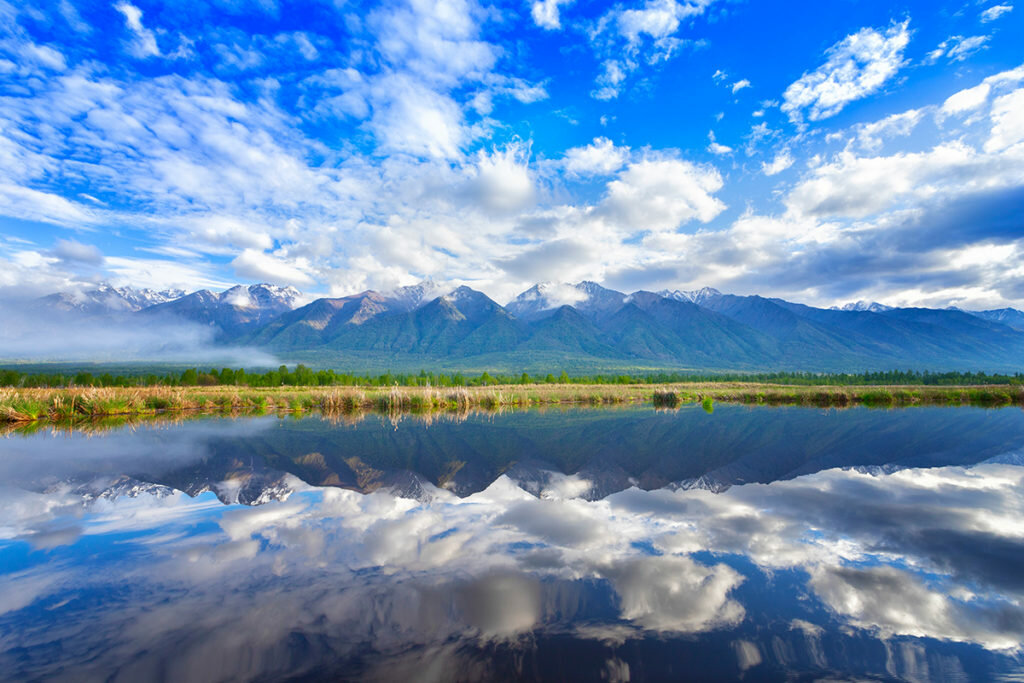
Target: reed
56 405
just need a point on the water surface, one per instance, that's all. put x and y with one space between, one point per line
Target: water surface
627 544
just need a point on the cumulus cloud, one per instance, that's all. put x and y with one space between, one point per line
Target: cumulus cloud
601 157
502 181
390 164
853 186
857 66
662 194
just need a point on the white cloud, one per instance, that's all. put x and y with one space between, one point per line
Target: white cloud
44 56
546 13
857 66
601 157
657 19
502 181
45 207
73 251
143 42
994 12
567 258
971 99
740 85
257 265
856 187
409 117
780 163
161 274
610 80
714 147
438 43
228 231
676 594
662 194
74 19
957 48
967 99
625 38
1008 122
871 135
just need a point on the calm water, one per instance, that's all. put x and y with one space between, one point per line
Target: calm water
762 543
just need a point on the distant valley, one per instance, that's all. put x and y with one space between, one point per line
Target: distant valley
583 326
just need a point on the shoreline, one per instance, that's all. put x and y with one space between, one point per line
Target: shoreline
63 404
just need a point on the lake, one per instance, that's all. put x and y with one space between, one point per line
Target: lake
623 544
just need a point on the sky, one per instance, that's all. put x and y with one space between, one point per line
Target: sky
819 152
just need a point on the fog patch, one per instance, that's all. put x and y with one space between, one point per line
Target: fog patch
33 331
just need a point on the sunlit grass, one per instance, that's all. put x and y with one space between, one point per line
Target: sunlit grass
55 405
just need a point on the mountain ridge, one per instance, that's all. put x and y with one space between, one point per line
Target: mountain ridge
587 323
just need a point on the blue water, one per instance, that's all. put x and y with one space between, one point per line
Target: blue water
762 543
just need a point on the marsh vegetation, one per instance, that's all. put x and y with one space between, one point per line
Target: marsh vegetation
62 404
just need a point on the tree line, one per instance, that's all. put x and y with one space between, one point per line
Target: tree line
302 376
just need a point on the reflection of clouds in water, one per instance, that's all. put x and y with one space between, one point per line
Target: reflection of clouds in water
151 447
894 601
923 553
676 594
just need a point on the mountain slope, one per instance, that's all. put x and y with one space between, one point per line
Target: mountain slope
232 313
104 299
589 298
1010 317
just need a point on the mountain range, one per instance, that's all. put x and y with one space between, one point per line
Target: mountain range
579 326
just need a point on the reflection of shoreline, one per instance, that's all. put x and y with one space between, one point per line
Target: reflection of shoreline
109 423
20 406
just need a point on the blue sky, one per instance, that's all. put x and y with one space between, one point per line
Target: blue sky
822 152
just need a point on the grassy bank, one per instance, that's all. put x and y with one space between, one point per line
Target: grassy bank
29 405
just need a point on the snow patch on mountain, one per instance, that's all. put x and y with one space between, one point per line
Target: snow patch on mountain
261 295
695 296
870 306
411 297
585 296
105 298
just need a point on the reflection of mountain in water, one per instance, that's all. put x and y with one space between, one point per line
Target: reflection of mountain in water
873 572
603 451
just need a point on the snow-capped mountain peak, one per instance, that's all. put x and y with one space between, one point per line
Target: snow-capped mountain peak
696 296
105 298
586 296
261 295
862 305
411 297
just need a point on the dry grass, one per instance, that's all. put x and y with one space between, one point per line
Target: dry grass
55 405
